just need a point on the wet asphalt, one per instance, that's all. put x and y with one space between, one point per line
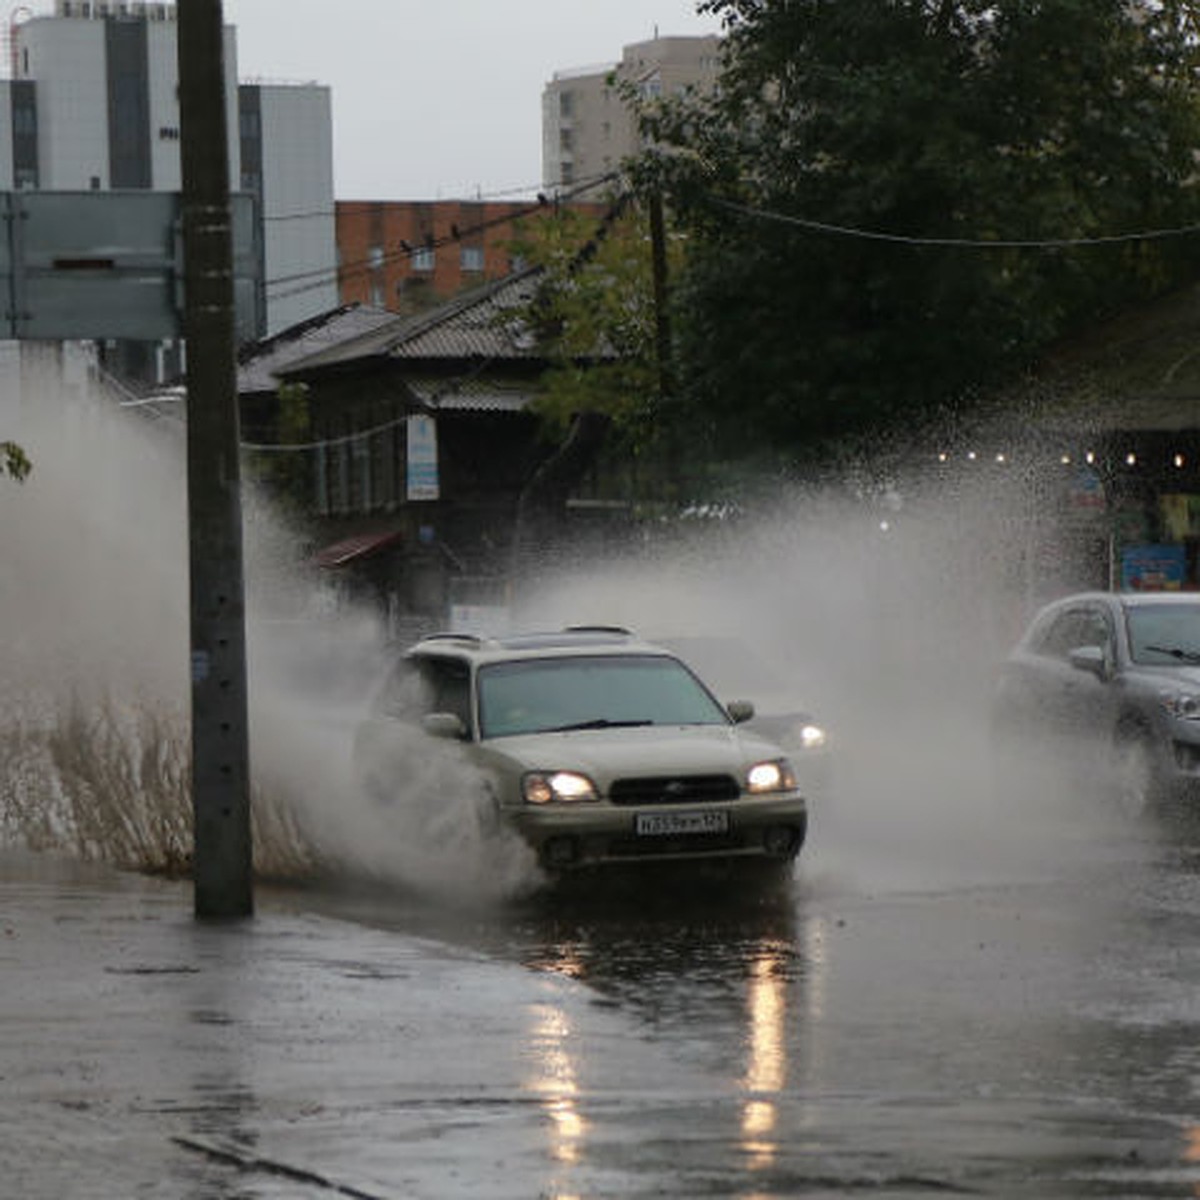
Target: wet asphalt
145 1054
981 1014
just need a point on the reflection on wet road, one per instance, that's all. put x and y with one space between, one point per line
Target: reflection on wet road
1031 1034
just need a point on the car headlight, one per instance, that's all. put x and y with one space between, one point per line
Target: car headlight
774 776
548 787
1184 705
812 737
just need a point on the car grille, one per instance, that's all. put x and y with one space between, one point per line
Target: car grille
674 789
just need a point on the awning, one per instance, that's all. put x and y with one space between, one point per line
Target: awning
355 549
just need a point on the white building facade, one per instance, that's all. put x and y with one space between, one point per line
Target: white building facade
587 127
93 105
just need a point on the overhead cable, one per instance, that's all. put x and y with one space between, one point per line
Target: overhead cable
876 235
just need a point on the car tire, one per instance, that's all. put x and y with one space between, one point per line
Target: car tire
1137 784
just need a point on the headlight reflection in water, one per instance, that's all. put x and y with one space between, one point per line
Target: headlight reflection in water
555 1078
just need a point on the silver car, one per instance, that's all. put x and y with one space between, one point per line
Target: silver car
1110 683
598 748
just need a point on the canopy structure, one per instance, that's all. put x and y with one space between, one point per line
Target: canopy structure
355 549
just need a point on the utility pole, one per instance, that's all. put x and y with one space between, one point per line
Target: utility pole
662 337
222 857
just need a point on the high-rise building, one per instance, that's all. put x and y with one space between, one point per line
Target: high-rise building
587 126
92 104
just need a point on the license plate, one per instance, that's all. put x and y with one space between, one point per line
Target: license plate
668 824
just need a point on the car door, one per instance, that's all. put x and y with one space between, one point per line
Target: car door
1072 705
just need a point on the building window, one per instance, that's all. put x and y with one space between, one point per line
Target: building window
471 258
375 257
566 105
423 259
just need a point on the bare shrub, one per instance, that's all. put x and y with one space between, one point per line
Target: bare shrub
110 781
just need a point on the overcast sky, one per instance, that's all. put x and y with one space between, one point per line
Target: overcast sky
441 99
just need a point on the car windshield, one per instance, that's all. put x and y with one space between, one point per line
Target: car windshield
591 692
1162 634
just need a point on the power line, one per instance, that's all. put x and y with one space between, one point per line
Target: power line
875 235
310 280
581 257
525 190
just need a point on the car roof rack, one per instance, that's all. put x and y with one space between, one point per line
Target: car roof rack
617 630
473 638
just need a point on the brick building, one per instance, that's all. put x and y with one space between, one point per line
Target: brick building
405 255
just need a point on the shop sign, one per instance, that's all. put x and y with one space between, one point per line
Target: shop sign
422 458
1153 568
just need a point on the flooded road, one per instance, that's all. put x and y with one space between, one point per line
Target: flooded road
959 993
899 1022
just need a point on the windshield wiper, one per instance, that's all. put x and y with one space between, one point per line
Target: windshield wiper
596 723
1191 656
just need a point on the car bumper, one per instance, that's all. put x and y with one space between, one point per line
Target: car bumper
596 833
1182 767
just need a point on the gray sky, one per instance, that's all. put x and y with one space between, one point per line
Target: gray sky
441 99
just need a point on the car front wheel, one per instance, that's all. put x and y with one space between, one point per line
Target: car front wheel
1136 784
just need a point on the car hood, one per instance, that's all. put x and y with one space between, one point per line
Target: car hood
1164 676
608 754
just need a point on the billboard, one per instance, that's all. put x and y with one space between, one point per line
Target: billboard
90 265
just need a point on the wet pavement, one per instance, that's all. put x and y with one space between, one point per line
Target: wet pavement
911 1018
145 1054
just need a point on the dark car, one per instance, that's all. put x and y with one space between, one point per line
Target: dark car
1109 684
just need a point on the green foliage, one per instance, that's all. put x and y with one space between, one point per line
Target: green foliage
837 187
595 319
284 474
13 461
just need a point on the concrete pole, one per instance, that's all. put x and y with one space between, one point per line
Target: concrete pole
222 851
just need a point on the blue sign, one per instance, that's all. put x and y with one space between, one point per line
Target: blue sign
1153 568
422 459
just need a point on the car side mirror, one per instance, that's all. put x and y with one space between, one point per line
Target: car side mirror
1091 659
444 725
739 711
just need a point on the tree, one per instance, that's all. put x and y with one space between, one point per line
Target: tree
13 461
596 320
892 203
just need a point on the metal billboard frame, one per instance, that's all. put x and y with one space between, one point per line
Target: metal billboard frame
99 265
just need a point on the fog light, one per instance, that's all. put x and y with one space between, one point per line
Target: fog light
560 852
780 839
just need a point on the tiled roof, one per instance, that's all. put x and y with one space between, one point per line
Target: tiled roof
262 364
471 326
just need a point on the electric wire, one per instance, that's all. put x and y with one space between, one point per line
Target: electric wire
953 242
585 253
320 276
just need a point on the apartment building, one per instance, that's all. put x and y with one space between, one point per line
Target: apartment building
92 104
405 255
587 127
